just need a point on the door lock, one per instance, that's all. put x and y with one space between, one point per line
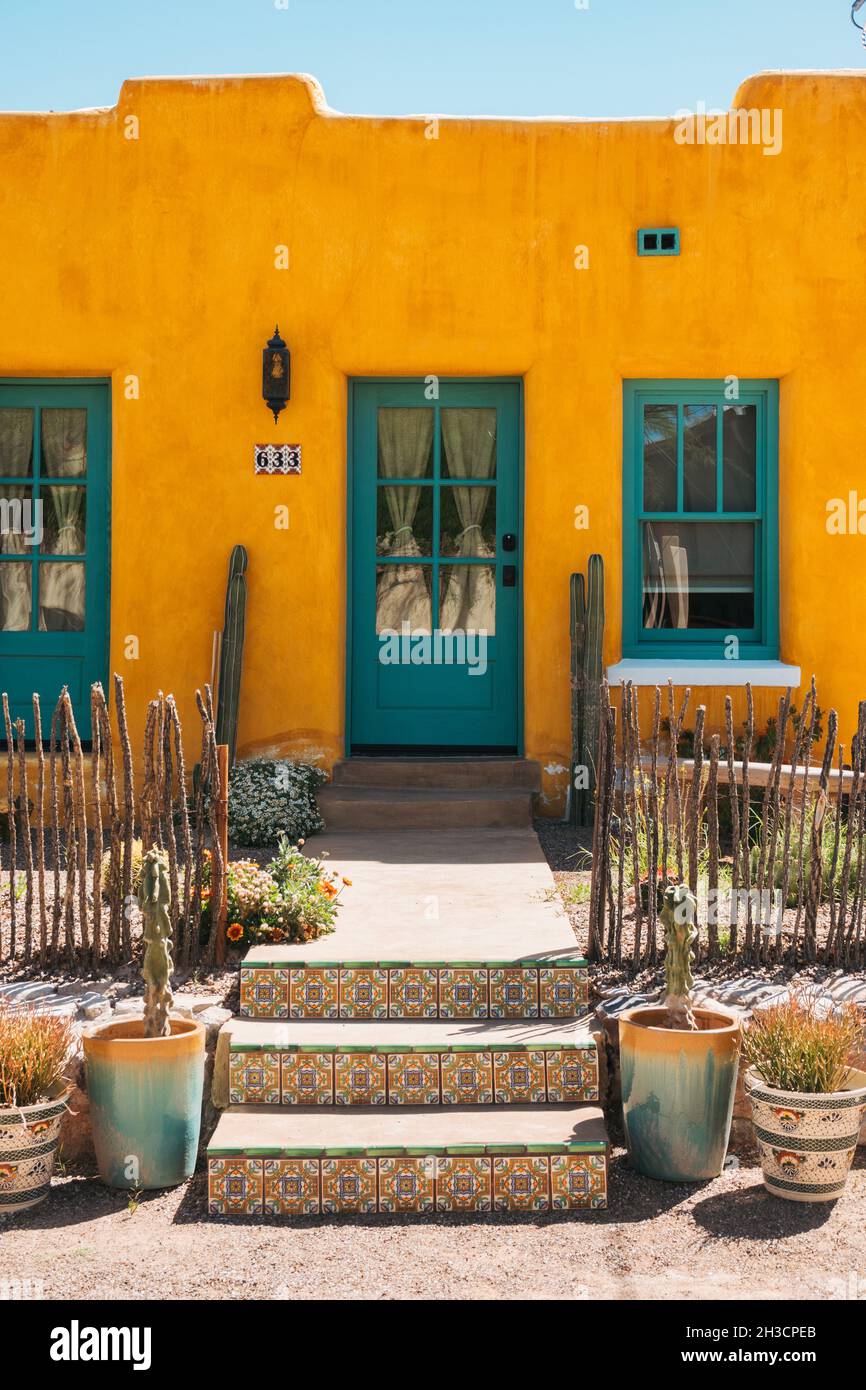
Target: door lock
509 576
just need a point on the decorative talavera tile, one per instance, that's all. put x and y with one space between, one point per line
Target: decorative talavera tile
363 993
563 991
406 1184
572 1075
235 1186
307 1078
514 992
467 1078
413 992
518 1078
278 458
463 992
413 1078
314 992
359 1078
463 1184
577 1181
254 1078
291 1186
264 993
521 1184
348 1185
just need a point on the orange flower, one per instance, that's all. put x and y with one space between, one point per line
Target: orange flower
326 887
348 882
235 932
277 934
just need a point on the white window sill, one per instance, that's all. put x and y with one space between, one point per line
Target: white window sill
654 671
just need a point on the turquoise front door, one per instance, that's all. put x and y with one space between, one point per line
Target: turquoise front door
54 508
435 567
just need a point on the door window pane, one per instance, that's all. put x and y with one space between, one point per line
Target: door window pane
405 442
467 598
16 442
64 443
699 458
699 575
660 458
403 596
467 521
468 442
61 597
63 520
740 451
15 581
404 520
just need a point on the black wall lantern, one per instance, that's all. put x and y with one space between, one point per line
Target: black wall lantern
276 374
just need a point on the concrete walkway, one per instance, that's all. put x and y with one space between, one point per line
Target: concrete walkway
451 895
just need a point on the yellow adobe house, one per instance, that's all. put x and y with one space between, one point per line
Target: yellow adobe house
512 344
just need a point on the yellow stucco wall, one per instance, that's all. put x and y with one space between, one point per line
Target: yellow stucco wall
410 255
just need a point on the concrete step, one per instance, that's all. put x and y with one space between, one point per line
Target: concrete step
457 1062
446 774
400 808
276 984
306 1161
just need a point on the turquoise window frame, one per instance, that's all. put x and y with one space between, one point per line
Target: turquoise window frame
762 641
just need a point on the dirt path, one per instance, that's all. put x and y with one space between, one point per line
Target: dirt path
725 1239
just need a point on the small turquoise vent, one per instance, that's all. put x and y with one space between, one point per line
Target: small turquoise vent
658 241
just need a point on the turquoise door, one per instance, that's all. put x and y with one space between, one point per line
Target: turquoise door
435 566
54 451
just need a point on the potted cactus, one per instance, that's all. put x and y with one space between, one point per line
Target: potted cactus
145 1075
679 1065
34 1047
807 1098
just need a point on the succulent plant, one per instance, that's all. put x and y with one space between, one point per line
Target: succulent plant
678 918
154 899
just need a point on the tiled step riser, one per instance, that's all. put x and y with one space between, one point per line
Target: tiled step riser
426 991
521 1076
418 1184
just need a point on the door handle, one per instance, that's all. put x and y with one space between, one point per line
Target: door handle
509 576
509 541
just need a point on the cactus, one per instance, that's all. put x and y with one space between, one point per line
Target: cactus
587 622
678 918
577 617
154 899
231 652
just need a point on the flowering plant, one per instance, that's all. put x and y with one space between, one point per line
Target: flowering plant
272 795
293 899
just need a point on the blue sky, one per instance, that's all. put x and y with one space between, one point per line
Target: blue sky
461 57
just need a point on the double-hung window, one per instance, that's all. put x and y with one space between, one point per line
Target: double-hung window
700 522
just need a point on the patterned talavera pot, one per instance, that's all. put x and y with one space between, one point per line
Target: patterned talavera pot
807 1141
29 1135
678 1091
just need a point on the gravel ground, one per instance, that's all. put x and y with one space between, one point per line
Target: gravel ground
725 1239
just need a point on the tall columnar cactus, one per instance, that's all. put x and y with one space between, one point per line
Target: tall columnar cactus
577 625
678 918
591 684
232 652
154 899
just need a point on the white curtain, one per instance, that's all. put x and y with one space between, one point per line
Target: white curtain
403 591
469 600
16 443
64 455
666 571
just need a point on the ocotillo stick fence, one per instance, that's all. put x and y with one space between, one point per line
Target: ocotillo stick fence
776 852
77 828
